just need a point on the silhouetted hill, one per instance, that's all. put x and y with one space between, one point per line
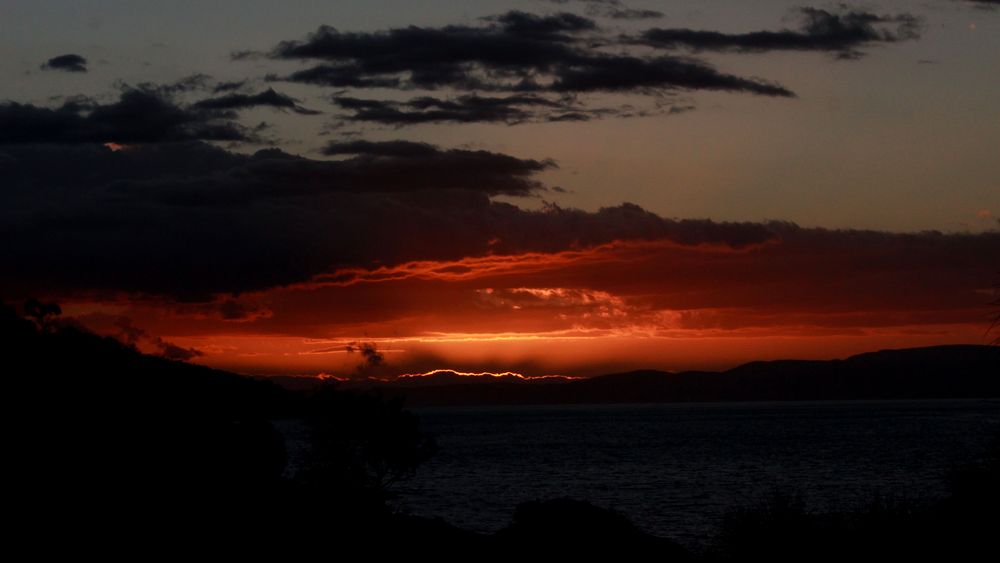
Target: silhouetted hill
963 371
99 422
88 372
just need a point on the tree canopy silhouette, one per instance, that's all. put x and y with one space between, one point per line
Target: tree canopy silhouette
362 442
42 314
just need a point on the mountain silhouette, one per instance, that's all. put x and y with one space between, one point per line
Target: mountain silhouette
937 372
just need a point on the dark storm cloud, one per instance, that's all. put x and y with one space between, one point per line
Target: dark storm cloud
229 86
613 9
552 28
626 14
554 58
514 52
385 167
452 56
405 165
840 33
267 98
591 2
68 63
624 73
190 220
405 149
138 116
191 83
340 76
469 108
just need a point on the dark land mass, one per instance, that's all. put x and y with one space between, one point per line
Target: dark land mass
937 372
115 452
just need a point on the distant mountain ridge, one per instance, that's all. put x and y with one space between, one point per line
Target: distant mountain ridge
954 371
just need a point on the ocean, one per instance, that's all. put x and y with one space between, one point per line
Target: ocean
675 469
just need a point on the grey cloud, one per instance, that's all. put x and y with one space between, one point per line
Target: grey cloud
138 116
821 30
267 98
68 63
515 52
190 220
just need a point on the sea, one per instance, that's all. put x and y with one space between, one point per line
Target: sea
676 469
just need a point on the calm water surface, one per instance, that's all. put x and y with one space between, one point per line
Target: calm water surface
675 469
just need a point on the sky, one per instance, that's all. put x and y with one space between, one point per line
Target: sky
367 189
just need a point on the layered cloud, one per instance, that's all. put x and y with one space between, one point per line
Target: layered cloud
257 261
267 98
242 257
412 253
614 9
539 62
627 303
191 220
143 114
138 116
550 67
842 34
513 52
472 108
511 68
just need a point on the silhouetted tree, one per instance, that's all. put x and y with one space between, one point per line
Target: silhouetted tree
362 444
43 314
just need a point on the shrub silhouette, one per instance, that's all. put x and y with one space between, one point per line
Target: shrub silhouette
362 442
43 314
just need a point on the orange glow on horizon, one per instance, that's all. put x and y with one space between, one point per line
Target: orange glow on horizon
582 311
510 374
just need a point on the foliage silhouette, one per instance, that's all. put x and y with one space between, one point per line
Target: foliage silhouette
362 442
43 314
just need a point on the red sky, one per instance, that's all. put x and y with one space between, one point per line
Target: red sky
806 293
550 188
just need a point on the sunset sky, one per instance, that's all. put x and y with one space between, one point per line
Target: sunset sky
546 187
